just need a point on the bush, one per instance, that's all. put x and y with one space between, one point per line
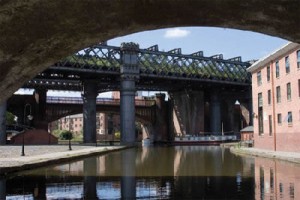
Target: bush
10 118
117 135
66 135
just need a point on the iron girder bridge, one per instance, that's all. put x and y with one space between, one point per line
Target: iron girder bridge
159 70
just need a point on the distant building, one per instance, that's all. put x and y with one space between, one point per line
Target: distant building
276 99
107 124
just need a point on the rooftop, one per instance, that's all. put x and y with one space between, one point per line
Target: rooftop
273 56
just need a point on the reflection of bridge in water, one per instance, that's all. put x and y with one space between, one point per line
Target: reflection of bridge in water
195 171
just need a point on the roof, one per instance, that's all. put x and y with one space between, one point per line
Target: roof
273 56
247 129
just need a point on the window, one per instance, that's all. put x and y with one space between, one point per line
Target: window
260 115
298 59
269 97
268 73
272 180
288 91
259 78
278 94
290 118
277 69
260 100
270 125
279 118
287 64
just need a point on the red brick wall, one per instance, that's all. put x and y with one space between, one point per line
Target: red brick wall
35 136
287 135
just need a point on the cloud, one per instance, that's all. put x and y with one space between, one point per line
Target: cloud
176 33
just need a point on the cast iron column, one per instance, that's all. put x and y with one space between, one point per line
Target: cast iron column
130 72
215 112
3 123
89 111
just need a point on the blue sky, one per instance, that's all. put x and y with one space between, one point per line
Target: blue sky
212 41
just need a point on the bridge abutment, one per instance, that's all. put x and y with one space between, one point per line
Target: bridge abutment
129 74
3 123
160 131
188 111
89 111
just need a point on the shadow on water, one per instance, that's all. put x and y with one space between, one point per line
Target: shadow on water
183 172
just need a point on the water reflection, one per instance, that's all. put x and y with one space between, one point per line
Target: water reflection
189 172
276 179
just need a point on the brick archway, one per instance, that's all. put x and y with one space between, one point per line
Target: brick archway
37 33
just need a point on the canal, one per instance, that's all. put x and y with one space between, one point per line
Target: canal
180 172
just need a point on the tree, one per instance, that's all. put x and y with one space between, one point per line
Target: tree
10 118
66 135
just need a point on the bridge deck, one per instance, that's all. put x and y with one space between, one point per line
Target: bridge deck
159 70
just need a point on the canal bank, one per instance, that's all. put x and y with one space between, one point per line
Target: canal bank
280 155
43 155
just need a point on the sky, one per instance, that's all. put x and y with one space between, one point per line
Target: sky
229 42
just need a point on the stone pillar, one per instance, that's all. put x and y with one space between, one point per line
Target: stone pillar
3 123
215 112
189 112
129 74
40 118
89 111
161 121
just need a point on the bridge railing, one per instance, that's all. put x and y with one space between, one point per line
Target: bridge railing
152 61
99 101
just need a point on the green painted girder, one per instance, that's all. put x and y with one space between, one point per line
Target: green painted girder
153 62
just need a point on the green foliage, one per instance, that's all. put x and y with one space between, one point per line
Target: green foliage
56 132
117 135
66 135
10 118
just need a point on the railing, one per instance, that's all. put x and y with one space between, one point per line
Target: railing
99 101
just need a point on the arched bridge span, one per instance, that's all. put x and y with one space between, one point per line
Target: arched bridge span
58 107
29 46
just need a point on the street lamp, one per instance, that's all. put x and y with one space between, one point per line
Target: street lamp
29 117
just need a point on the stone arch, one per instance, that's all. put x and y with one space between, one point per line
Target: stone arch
36 33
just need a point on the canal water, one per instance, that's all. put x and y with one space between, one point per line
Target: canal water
181 172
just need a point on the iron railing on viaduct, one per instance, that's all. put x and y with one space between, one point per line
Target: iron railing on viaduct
159 70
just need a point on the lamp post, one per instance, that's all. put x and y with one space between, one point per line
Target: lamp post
29 117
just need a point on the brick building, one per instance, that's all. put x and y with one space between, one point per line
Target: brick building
276 99
107 124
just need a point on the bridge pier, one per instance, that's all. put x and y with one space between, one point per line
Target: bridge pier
89 111
188 111
129 74
39 118
215 112
3 123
